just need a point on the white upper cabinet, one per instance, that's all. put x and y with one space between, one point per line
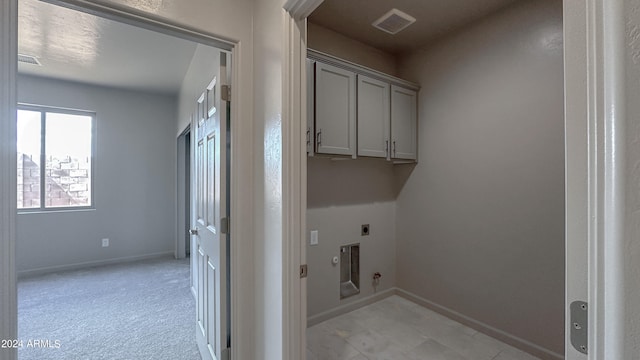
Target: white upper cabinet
356 111
404 118
311 77
335 110
373 117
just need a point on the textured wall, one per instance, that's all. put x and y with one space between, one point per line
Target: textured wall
336 44
339 226
268 206
343 195
134 179
480 222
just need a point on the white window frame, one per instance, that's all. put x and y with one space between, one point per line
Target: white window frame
50 109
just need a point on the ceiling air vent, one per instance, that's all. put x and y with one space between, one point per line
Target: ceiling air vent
28 59
393 21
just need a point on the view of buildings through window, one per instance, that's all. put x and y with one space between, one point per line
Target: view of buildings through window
55 154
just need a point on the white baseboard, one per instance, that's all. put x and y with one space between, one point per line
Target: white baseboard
505 337
86 264
343 309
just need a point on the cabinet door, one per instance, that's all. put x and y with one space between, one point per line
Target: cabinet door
373 117
310 106
335 110
404 123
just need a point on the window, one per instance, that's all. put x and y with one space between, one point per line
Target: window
55 158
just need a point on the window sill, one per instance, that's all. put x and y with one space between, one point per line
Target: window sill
55 210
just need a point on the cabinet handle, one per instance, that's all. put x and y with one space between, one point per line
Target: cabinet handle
308 135
319 137
394 148
386 147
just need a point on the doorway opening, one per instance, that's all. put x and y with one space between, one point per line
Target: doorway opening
142 86
434 193
183 248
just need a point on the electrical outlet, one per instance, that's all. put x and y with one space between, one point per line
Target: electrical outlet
105 242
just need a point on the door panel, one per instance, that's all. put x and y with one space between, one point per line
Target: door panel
199 180
211 288
404 118
335 110
211 182
373 117
200 304
210 197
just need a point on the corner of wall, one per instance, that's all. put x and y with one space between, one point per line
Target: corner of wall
333 43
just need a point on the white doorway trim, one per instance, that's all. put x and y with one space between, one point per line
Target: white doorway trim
8 187
183 196
241 172
294 184
596 192
609 338
576 166
294 179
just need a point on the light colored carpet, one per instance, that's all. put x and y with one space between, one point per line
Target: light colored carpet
140 310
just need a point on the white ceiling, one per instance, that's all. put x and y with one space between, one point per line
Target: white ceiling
434 18
80 47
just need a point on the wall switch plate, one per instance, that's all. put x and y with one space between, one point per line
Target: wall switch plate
314 237
105 242
365 230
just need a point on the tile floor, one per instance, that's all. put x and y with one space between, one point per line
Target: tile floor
397 329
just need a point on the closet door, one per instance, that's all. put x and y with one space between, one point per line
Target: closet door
335 131
404 123
373 117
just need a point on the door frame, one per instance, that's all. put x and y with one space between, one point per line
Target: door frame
183 182
610 230
595 218
241 171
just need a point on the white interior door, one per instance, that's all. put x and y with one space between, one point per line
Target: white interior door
208 220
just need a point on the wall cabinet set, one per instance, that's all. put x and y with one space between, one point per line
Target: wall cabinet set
356 111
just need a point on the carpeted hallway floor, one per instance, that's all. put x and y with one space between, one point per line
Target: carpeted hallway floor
138 310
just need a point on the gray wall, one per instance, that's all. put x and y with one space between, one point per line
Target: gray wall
339 226
333 43
203 67
342 196
134 180
480 222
